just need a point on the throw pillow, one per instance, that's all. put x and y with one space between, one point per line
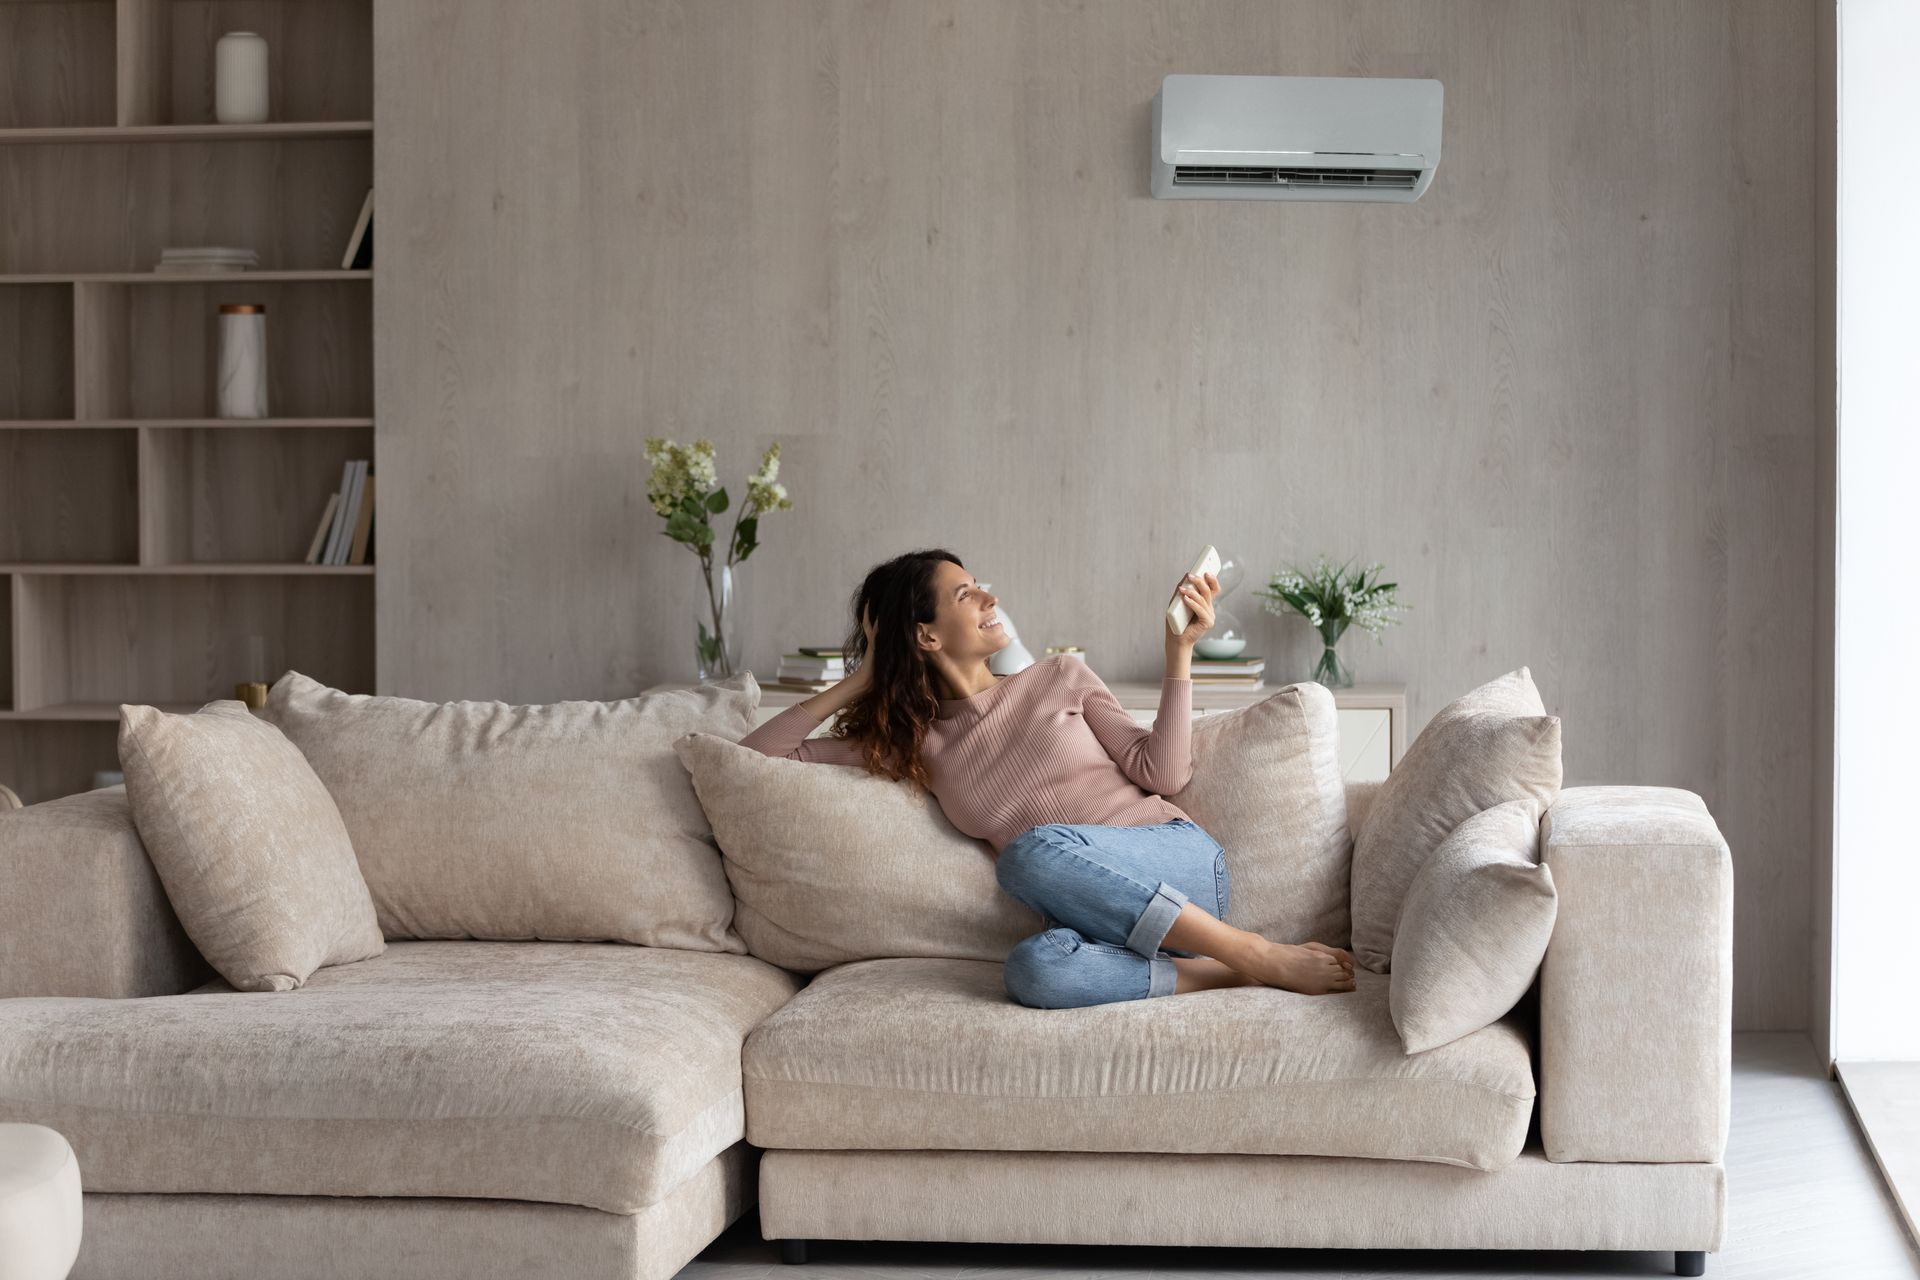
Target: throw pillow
1484 748
568 821
1266 784
1474 928
830 863
247 843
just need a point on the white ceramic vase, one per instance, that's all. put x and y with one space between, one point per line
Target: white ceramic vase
240 78
243 360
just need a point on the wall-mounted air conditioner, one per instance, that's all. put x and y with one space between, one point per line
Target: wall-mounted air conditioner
1295 138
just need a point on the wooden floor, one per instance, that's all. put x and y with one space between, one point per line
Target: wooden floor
1804 1199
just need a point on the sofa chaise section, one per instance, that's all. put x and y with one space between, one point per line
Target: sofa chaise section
596 1074
552 1076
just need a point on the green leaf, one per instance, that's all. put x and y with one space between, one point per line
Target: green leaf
717 500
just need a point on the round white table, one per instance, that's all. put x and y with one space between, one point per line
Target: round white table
39 1203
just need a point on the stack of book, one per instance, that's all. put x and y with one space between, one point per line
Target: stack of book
1246 672
196 261
345 532
810 669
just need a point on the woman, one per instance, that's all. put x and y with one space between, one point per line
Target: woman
1068 790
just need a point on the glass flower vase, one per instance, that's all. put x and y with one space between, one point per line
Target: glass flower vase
1332 671
719 650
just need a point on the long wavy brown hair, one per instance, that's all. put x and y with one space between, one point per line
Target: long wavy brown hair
891 718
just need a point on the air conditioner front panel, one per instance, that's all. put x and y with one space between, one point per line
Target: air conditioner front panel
1295 137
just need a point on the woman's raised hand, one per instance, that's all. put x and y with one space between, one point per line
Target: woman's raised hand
1198 590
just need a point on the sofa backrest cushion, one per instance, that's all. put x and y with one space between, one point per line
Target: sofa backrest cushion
1473 928
830 864
247 843
568 821
1266 784
1486 747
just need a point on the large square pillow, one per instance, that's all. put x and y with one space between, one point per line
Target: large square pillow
1266 784
1473 929
247 843
830 864
568 821
1483 749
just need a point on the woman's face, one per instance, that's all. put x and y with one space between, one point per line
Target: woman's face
966 618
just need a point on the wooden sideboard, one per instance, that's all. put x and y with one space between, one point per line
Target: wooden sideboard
1373 717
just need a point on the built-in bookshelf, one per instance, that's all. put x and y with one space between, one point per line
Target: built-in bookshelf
150 551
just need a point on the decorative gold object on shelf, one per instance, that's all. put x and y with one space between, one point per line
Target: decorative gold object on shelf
252 692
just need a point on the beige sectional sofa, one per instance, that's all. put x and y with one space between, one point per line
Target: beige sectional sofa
466 1108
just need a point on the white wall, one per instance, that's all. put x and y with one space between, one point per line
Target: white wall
1876 855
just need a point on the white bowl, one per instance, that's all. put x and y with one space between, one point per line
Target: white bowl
1219 648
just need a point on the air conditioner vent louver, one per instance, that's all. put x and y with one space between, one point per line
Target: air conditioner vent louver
1239 176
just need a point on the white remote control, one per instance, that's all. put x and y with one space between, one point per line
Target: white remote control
1178 615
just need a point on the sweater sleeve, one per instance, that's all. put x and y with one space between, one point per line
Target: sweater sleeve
1160 759
785 735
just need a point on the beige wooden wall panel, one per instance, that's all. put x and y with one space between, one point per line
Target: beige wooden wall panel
1569 397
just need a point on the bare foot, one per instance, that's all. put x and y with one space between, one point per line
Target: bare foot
1346 957
1312 970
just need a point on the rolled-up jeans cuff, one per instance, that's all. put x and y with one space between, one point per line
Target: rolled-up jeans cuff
1151 929
1161 977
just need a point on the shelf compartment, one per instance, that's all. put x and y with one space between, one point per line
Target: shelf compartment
319 58
109 204
47 761
151 353
36 351
57 63
182 638
68 496
225 495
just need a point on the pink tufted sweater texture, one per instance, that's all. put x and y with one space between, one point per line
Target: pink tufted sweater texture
1048 744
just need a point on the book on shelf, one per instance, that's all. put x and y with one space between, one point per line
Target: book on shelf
346 513
359 254
182 260
363 526
1202 680
325 527
815 652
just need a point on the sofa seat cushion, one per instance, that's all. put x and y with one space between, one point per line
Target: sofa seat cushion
595 1074
930 1054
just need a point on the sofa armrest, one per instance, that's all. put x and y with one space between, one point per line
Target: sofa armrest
1636 991
82 911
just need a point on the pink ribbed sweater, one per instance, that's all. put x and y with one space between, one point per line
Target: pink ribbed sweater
1047 744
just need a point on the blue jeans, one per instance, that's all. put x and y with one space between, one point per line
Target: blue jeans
1108 896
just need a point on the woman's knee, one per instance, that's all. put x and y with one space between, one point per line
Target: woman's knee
1035 969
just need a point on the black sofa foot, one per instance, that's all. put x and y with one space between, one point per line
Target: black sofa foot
1689 1262
794 1254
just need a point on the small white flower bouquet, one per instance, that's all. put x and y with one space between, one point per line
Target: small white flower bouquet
683 485
1331 600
